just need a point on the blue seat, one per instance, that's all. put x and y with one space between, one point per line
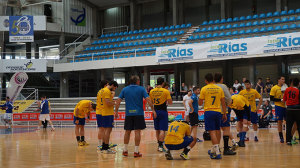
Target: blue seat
241 32
270 28
298 26
228 26
163 41
234 32
292 19
242 25
208 36
125 33
86 60
235 19
276 20
153 35
235 26
283 13
95 42
270 21
155 29
118 39
138 37
97 48
135 43
263 29
254 16
159 35
223 21
172 27
216 28
222 27
262 22
221 34
141 43
197 31
215 34
204 23
169 40
298 18
181 32
176 33
248 24
293 26
255 23
170 34
248 17
284 20
256 30
202 36
270 14
188 25
190 38
130 32
76 60
285 27
151 42
108 41
297 10
167 28
197 37
228 34
116 46
209 29
130 44
211 22
164 34
157 41
216 21
183 26
278 28
242 18
291 12
229 20
150 30
174 39
276 13
262 15
161 29
145 31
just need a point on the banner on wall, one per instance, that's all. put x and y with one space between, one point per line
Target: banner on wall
289 42
16 84
21 29
23 65
78 15
39 23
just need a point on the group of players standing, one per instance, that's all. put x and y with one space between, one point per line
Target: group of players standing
215 98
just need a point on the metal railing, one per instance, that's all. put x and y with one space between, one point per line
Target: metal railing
115 29
25 94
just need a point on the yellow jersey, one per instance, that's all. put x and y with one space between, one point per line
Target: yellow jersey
104 107
98 101
251 96
159 97
176 132
212 95
84 107
277 93
238 102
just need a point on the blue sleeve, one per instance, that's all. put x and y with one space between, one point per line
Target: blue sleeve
10 106
121 96
145 94
2 105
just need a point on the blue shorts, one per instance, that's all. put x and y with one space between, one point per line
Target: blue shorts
81 121
254 117
99 120
227 122
212 120
161 121
187 140
280 113
108 121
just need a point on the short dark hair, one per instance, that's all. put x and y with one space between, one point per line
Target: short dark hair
296 82
234 89
240 88
189 91
160 81
165 84
259 78
7 97
247 81
279 77
44 96
94 106
103 83
134 79
195 88
218 77
113 83
209 77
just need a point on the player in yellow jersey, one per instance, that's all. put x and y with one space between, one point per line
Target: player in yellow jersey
160 97
276 95
81 112
213 98
103 84
251 95
107 105
241 107
179 137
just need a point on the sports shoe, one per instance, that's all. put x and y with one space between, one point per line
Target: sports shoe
209 152
294 142
241 144
125 153
112 145
184 156
161 149
281 140
215 156
137 154
80 143
168 155
255 139
199 140
235 146
246 139
109 151
85 143
52 129
228 152
289 143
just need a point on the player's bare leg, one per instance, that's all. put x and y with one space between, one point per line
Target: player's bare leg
255 128
51 124
137 140
106 137
279 127
160 136
40 124
100 137
126 142
244 127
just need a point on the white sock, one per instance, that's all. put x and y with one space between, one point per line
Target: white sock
125 147
217 149
136 149
233 141
99 142
255 133
188 147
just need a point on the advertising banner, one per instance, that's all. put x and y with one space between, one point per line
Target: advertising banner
78 15
39 23
23 65
21 29
16 84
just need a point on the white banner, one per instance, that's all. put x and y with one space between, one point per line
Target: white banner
256 46
23 65
39 23
16 84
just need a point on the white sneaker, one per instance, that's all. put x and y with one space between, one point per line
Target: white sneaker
52 129
109 151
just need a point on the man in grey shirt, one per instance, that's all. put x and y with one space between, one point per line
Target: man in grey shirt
218 78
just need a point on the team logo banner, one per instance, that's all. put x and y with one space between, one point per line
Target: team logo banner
23 65
256 46
21 29
16 84
78 16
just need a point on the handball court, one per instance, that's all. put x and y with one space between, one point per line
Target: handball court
26 147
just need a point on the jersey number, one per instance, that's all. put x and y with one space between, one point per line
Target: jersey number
101 102
156 101
292 94
175 129
213 102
